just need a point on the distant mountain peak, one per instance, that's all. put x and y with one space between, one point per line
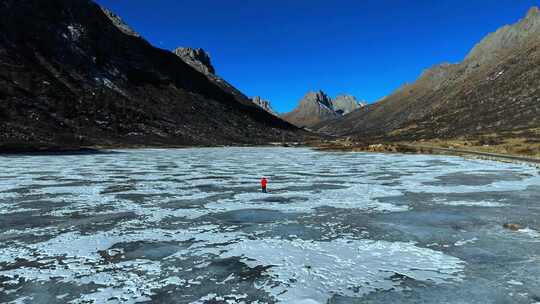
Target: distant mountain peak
317 106
197 58
344 104
317 98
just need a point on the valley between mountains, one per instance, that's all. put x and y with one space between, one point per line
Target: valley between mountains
76 75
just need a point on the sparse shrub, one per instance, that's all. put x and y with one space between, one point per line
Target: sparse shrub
489 141
532 141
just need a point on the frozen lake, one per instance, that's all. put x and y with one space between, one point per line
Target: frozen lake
190 226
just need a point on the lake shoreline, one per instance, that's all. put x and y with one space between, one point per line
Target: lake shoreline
98 149
414 148
335 146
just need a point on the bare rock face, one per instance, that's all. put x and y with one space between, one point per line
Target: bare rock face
494 90
119 23
264 104
345 104
317 98
314 108
200 60
197 58
505 39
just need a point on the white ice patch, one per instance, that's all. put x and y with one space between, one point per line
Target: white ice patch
305 270
423 175
10 254
154 184
360 197
131 281
465 242
313 271
531 233
469 203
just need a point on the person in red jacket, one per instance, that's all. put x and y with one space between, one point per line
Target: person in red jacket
264 182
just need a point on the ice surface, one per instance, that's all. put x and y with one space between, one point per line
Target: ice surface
191 224
313 271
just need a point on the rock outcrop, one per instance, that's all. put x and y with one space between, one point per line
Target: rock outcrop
197 58
317 107
314 108
72 76
345 104
200 60
119 23
509 37
264 104
494 90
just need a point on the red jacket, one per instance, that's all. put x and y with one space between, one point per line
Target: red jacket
264 182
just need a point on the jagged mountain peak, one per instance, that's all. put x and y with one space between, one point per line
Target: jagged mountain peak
344 104
264 104
317 97
317 106
197 58
200 60
314 107
119 23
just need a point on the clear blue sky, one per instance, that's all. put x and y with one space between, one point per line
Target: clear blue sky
280 49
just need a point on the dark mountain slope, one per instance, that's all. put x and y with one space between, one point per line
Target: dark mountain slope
69 76
495 89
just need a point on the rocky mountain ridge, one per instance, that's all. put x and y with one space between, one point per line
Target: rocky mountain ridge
507 38
493 90
317 107
197 58
344 104
119 23
264 104
201 61
72 76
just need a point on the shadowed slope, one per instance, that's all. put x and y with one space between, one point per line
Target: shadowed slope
72 76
